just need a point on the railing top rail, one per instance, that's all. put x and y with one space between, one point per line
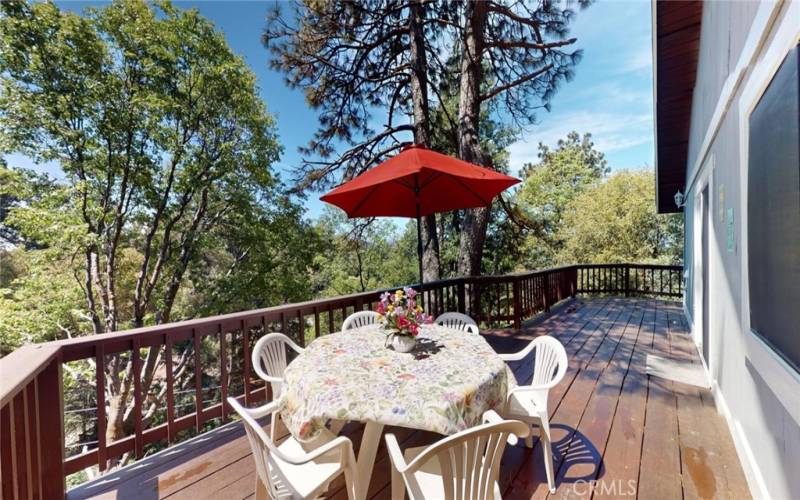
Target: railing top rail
22 366
629 265
518 274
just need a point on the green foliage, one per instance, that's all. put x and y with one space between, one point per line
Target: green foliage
549 188
359 255
39 299
166 147
616 221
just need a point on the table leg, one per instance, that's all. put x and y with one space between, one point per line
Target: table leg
366 457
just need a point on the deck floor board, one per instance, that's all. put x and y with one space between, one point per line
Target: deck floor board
631 434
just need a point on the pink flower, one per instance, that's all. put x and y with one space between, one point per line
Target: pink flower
380 308
414 329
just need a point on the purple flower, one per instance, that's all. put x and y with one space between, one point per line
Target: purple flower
410 292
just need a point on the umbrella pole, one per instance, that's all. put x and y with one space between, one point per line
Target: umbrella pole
419 232
419 250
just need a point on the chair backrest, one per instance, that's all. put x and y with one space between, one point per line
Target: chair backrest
264 450
269 358
458 321
359 319
550 361
469 461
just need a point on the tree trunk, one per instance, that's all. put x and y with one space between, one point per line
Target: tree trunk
473 233
419 96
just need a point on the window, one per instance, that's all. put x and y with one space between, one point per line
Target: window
773 207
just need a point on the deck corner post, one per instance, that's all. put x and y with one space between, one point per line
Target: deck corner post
50 389
574 279
546 292
627 280
462 306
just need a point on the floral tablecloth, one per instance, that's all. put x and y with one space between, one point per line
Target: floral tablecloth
443 386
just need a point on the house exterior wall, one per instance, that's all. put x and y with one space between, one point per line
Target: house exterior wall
751 389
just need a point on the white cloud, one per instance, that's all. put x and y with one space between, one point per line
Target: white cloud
640 59
610 132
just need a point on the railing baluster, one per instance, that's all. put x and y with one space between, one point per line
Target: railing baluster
246 367
100 391
137 397
198 382
6 455
19 436
171 433
301 326
223 372
35 445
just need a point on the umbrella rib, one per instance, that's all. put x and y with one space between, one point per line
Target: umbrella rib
404 184
465 186
435 176
364 199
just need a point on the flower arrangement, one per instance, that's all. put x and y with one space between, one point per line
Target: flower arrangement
399 313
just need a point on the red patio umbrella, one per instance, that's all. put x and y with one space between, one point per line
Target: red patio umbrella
415 183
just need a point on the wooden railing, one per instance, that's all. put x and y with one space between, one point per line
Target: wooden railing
33 462
631 279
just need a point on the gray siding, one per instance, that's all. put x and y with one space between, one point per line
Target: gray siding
724 31
772 435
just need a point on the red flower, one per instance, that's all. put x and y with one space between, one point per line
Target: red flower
380 309
403 323
414 329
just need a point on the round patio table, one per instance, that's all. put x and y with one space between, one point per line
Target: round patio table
445 385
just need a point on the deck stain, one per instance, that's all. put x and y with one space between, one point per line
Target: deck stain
173 479
702 476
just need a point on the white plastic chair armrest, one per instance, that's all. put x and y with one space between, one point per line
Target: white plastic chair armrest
340 442
543 391
393 448
491 417
296 348
534 388
517 356
263 411
266 377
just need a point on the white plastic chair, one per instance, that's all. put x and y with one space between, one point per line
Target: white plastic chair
464 466
529 402
359 319
287 470
459 322
269 362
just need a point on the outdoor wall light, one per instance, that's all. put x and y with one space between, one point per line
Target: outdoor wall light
679 199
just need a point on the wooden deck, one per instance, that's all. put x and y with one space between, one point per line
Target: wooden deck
635 435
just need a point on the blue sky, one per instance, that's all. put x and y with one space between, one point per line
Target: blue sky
610 96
